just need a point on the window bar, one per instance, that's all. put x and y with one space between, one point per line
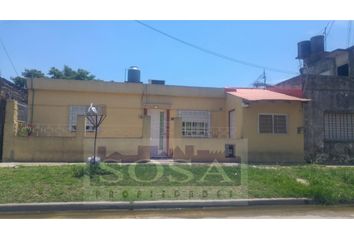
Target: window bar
337 127
346 127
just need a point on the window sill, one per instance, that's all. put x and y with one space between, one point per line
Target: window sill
195 137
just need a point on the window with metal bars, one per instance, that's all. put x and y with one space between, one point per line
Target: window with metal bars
273 123
339 126
195 123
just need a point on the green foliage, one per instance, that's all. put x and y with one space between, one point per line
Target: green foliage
19 82
28 73
33 73
55 73
82 74
91 170
326 185
78 171
69 73
24 130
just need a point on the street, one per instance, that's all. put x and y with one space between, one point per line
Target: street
308 211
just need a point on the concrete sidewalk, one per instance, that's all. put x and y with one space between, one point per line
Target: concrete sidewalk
180 204
152 161
29 164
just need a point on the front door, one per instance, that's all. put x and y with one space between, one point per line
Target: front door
158 133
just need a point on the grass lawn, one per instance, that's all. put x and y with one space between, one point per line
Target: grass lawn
327 185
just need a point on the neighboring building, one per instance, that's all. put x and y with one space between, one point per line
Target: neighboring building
327 78
157 121
9 91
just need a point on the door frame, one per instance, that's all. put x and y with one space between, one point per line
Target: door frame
164 152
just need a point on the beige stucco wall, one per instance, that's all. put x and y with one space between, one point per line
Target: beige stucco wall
235 103
287 147
124 108
125 131
17 148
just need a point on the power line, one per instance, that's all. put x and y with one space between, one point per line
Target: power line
330 27
326 32
220 55
8 56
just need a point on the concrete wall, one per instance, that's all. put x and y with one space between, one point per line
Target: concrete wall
327 93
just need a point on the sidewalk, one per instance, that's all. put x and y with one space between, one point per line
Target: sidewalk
150 161
176 204
15 164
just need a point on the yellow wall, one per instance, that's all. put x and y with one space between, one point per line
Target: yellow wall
234 103
125 131
269 147
124 110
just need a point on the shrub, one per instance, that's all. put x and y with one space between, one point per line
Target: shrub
78 171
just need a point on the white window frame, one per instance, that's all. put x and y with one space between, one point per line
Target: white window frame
73 119
274 114
191 116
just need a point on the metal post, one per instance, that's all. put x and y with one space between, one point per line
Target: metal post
94 143
95 118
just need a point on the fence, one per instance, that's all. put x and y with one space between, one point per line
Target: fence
56 143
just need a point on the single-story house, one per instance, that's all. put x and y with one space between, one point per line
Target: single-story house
155 120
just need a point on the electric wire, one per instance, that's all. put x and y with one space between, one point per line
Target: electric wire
210 52
8 57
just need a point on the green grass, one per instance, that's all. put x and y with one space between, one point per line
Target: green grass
326 185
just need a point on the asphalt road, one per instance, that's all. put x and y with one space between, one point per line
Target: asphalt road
308 211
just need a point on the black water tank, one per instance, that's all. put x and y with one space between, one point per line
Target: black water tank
317 44
133 75
303 49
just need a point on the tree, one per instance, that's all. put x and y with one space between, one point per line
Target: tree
33 73
69 73
28 73
20 82
82 74
55 73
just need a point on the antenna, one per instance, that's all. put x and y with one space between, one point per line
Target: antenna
264 78
325 37
326 32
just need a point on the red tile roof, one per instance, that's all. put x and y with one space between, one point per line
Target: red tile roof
257 94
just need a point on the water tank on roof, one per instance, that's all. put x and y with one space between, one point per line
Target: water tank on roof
303 49
133 75
317 44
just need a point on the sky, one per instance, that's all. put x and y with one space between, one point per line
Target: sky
108 48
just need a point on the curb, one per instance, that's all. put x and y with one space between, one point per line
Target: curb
180 204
